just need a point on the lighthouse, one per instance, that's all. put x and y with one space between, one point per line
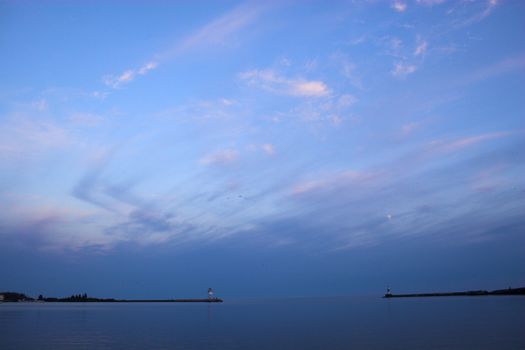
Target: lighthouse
210 294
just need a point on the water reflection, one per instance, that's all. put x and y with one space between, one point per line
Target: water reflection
337 323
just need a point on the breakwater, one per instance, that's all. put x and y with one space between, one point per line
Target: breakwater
509 291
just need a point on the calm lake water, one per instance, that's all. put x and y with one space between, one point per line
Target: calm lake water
334 323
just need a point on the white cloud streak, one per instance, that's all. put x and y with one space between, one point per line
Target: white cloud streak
327 183
504 66
221 29
268 149
147 67
399 6
459 144
221 157
269 80
217 32
430 2
116 81
40 105
421 48
23 137
402 69
490 6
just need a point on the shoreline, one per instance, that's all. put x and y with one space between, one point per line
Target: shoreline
509 291
216 300
10 297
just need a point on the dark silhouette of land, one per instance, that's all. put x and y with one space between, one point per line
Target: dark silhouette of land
14 296
508 291
84 298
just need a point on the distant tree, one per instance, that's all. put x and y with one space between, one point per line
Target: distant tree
40 297
13 296
84 296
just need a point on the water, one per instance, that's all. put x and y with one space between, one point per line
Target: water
334 323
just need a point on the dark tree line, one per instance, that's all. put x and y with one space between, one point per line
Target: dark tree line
73 297
78 297
14 296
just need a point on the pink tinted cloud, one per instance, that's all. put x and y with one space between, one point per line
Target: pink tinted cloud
270 80
505 66
21 137
333 181
458 144
221 157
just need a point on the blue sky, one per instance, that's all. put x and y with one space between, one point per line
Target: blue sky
263 148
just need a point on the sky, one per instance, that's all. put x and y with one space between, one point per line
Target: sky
265 149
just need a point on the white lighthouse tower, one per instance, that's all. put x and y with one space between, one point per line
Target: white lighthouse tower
210 294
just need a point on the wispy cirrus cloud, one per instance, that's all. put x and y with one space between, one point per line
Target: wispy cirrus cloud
219 30
461 143
333 181
221 157
403 69
37 220
268 148
21 136
317 113
398 198
505 66
385 173
270 80
488 7
421 47
116 81
40 104
399 6
430 2
86 119
92 188
409 128
349 70
149 226
216 32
